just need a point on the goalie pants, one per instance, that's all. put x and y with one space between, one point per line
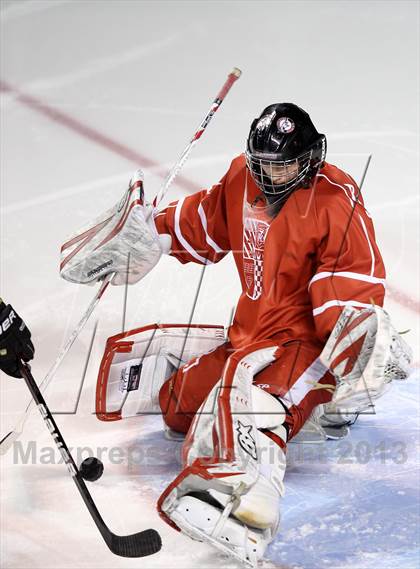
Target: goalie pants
296 377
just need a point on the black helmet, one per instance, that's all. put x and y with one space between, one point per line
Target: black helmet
284 139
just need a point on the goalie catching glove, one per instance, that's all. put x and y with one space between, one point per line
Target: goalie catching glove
123 241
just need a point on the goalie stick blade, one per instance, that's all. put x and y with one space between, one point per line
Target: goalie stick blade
139 544
7 441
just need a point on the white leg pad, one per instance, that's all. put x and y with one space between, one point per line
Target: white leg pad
229 494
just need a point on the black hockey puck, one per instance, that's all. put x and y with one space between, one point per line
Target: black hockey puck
91 469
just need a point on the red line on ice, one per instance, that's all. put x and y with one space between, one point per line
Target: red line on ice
92 134
105 141
402 298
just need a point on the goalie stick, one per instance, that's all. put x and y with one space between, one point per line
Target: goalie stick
138 544
232 77
13 435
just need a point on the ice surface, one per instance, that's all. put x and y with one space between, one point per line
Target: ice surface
143 74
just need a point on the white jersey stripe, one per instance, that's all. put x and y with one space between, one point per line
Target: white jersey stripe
331 303
163 212
182 239
209 240
351 200
347 275
372 269
304 383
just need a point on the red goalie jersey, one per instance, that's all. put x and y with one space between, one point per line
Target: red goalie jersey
297 268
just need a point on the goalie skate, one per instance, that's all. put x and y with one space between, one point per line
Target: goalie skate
235 539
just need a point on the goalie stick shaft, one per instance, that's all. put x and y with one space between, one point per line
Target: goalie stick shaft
13 435
232 77
139 544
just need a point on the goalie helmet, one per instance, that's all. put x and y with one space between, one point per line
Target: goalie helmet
284 150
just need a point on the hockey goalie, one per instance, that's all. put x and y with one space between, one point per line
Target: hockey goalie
309 340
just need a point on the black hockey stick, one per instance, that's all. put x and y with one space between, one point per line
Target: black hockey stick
139 544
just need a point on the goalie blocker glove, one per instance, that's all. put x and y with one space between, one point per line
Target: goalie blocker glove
365 353
123 240
15 341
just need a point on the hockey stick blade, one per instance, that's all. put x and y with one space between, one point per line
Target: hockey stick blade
8 440
138 544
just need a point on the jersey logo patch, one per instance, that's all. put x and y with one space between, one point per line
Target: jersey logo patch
255 233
